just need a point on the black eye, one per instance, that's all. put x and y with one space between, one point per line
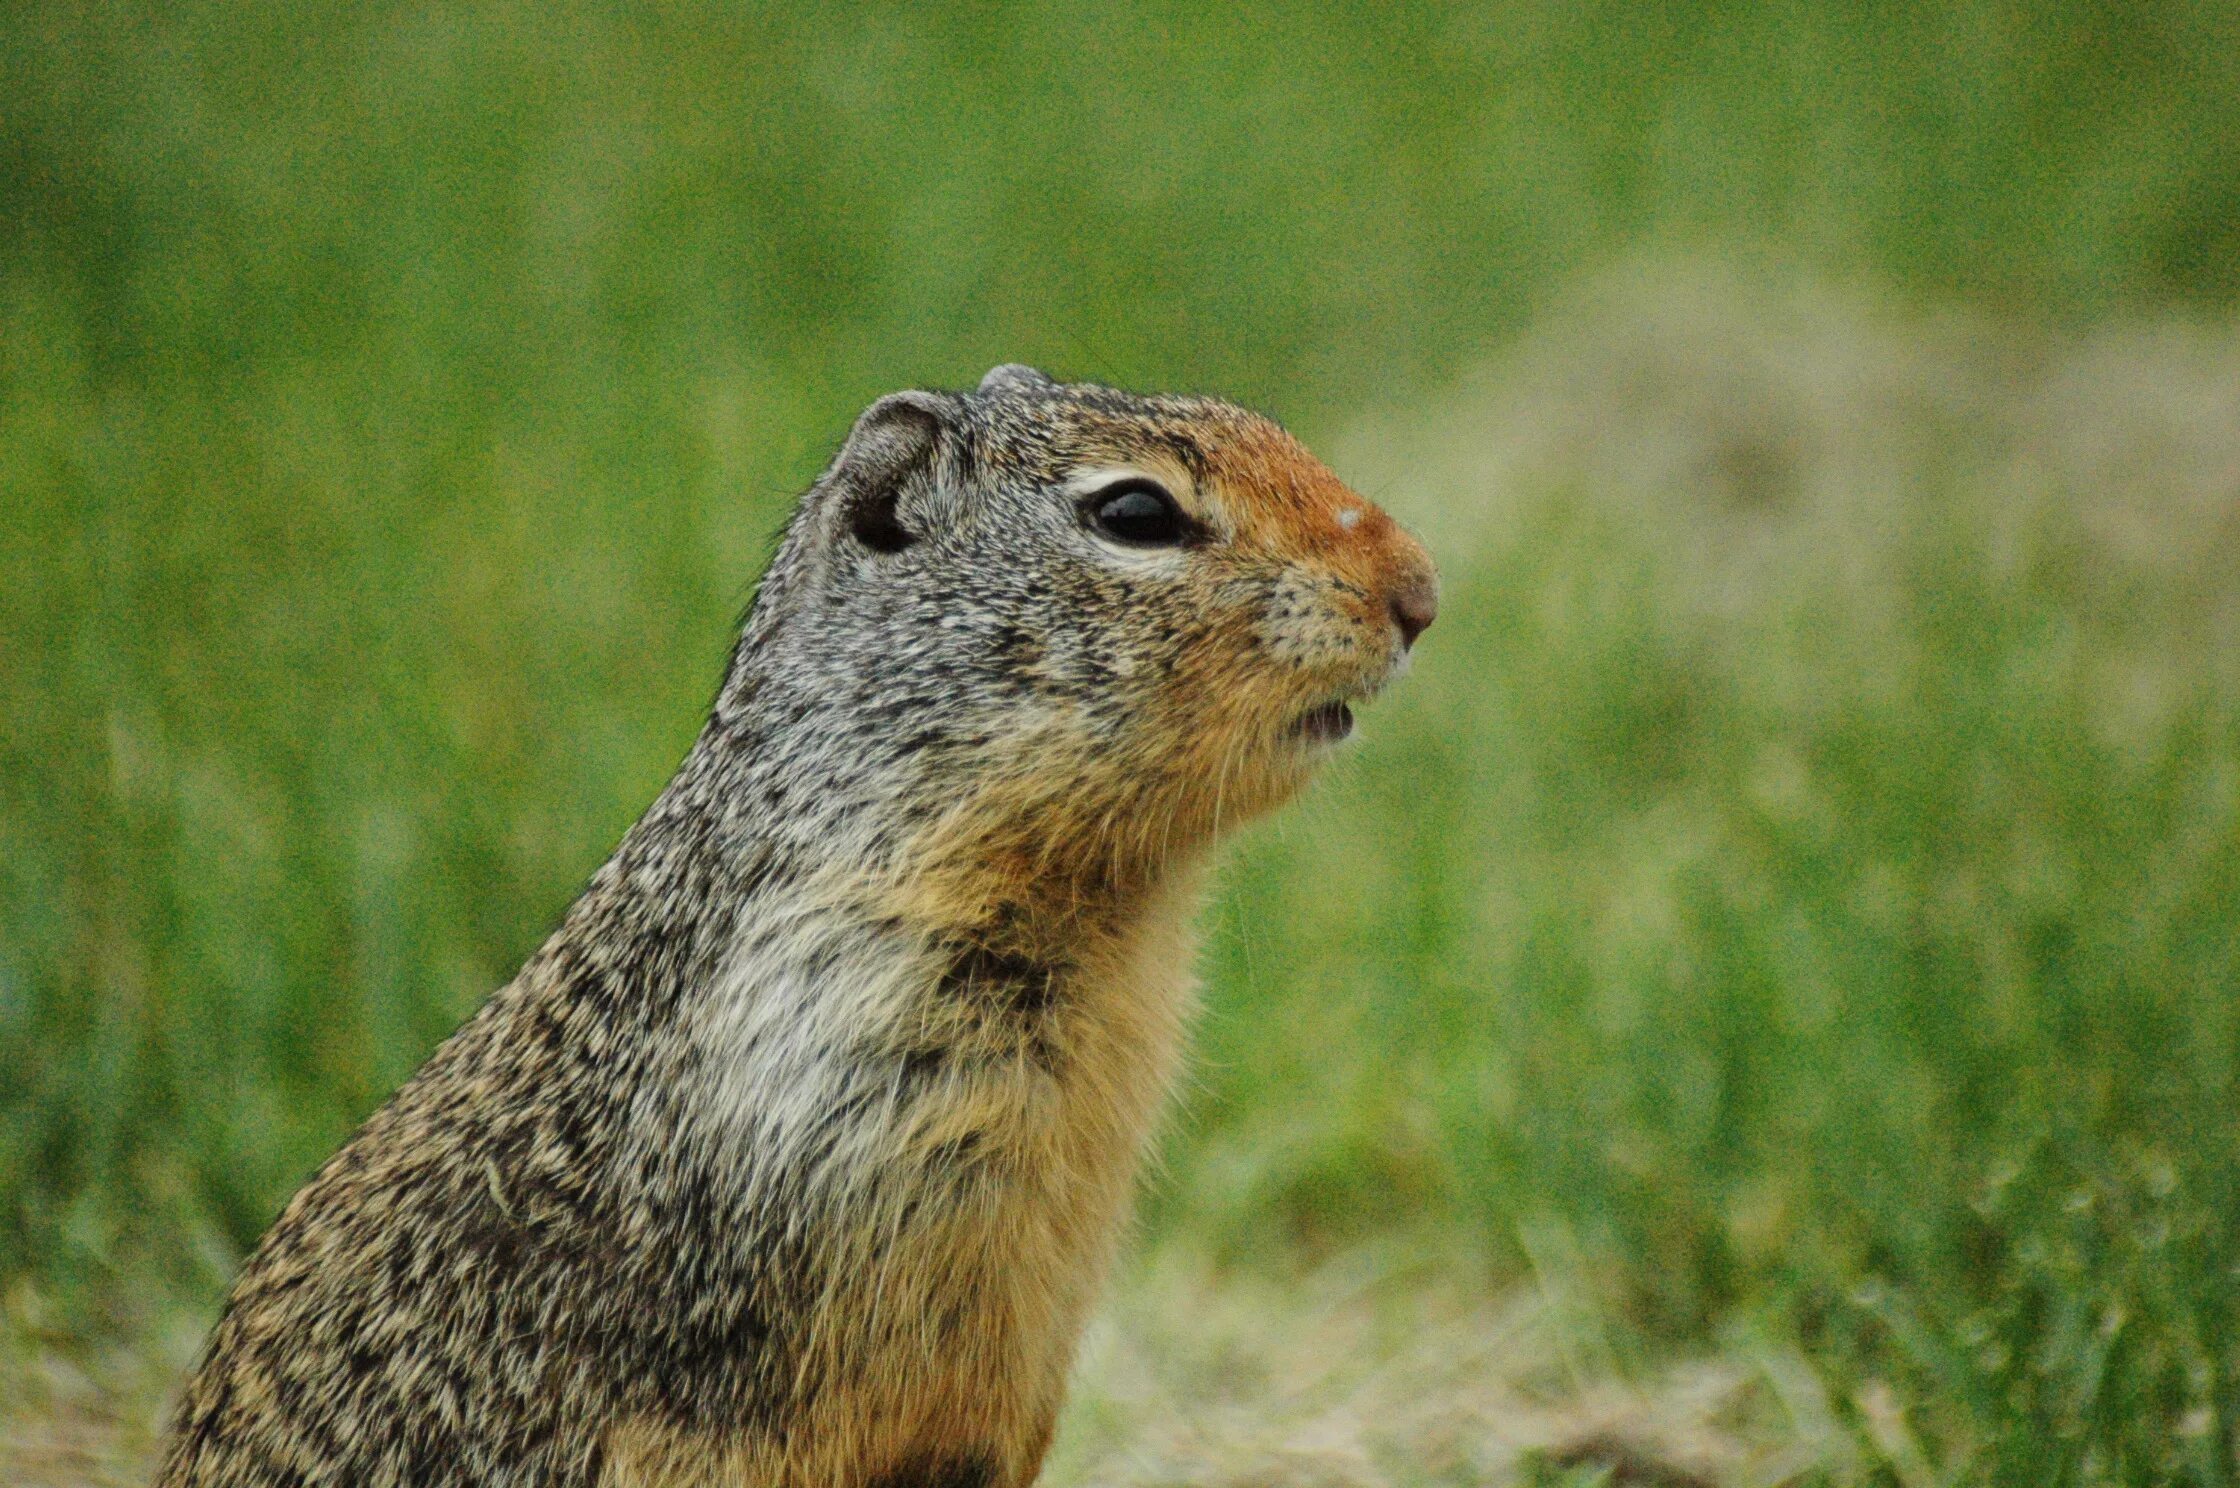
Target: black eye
1141 513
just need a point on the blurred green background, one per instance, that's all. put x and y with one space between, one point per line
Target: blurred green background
1795 905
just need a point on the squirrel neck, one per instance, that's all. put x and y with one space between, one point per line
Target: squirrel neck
933 974
773 814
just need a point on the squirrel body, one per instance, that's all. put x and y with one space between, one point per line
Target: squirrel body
797 1154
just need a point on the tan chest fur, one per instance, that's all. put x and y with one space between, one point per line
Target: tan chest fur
968 1220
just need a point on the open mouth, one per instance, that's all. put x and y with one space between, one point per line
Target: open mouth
1326 724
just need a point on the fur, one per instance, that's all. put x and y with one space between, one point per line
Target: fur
797 1154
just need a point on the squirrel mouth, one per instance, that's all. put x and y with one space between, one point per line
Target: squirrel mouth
1326 724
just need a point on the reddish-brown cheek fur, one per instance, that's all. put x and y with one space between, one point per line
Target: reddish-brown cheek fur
1288 505
1097 827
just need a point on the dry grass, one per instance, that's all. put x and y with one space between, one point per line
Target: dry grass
74 1417
1368 1374
1773 431
1362 1373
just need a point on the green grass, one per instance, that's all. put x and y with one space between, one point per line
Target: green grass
1803 893
1792 914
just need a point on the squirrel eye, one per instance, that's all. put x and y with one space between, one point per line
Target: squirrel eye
1141 513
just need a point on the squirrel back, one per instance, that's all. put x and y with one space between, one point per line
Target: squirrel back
798 1152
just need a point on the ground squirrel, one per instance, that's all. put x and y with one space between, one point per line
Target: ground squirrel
796 1155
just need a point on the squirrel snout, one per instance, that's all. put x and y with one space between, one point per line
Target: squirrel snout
1415 604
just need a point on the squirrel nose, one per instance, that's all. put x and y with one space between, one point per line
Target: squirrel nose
1415 604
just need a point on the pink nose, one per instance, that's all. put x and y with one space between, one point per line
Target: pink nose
1415 604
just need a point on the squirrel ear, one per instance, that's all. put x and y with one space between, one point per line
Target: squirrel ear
893 439
1013 377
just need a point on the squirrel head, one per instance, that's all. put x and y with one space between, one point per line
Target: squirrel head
1072 628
